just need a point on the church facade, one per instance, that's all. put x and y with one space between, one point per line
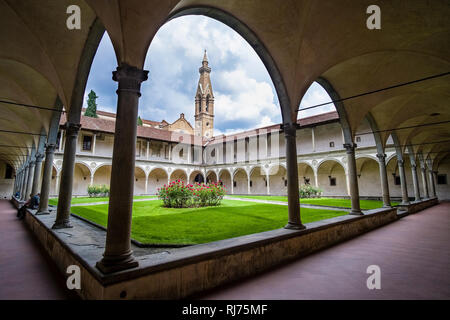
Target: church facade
250 162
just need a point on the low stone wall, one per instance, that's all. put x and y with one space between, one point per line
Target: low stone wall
193 269
416 206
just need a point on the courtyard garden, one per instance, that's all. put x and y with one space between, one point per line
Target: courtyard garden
156 224
78 200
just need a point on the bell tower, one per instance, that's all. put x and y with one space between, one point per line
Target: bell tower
204 103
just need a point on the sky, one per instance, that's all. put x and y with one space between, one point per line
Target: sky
245 97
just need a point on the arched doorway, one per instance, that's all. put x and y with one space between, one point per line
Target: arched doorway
178 174
332 179
240 182
278 180
258 183
157 178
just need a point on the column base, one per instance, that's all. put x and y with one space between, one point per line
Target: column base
356 213
405 203
42 212
62 225
115 264
387 206
294 226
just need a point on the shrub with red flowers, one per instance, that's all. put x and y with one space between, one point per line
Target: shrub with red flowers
180 195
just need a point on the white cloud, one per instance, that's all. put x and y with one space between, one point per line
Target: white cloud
244 94
315 95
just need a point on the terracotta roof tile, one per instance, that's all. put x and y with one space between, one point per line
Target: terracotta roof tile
108 126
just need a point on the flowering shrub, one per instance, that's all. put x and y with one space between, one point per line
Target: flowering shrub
98 191
308 191
180 195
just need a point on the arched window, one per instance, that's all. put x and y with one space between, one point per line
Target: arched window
207 103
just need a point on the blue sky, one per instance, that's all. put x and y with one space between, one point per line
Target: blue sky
244 94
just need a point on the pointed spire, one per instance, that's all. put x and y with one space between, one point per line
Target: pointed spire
205 67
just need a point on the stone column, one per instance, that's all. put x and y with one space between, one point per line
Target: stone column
425 183
401 172
37 174
146 184
118 254
384 181
316 178
232 184
415 182
16 182
61 141
65 190
46 179
91 183
268 183
93 143
23 189
290 135
30 179
353 178
432 184
248 184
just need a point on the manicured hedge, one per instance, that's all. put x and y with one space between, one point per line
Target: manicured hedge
180 195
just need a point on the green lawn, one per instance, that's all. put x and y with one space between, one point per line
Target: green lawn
343 203
54 201
153 223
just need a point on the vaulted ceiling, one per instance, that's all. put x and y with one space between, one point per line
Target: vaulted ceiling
298 40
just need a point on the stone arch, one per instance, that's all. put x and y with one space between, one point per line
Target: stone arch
331 171
196 176
225 178
258 183
102 174
278 179
240 181
368 172
139 180
287 112
157 178
54 181
306 174
179 174
211 176
81 179
393 175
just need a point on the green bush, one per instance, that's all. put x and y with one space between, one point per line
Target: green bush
98 191
180 195
308 191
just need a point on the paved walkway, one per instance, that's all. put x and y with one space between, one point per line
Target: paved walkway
26 272
284 203
412 253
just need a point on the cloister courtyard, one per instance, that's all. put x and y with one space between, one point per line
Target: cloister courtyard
224 149
154 224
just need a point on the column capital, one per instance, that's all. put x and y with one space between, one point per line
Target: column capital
129 78
39 157
31 163
414 166
289 129
350 147
400 163
72 129
50 148
381 156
